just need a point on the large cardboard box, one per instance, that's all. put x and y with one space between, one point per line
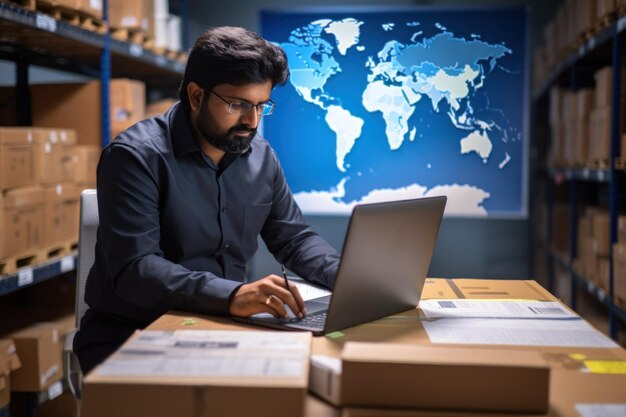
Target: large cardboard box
75 106
601 235
128 104
78 106
18 164
495 375
9 362
61 213
159 107
23 220
39 348
207 373
599 134
80 163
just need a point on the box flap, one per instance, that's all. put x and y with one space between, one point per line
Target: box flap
63 191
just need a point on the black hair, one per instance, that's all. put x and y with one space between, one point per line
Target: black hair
233 55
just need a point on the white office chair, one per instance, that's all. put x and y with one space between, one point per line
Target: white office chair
89 221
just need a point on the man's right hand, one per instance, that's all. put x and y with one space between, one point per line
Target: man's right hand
267 295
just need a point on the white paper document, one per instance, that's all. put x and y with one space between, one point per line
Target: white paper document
495 309
521 332
211 353
601 410
308 291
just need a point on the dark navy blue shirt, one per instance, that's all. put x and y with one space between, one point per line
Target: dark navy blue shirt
176 231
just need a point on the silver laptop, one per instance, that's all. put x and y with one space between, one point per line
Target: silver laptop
383 267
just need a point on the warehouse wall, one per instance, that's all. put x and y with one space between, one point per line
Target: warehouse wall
490 248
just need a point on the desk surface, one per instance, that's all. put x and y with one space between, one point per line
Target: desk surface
569 385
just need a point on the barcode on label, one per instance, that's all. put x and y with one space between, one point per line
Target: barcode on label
547 310
446 304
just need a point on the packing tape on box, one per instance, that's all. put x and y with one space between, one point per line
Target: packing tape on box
606 367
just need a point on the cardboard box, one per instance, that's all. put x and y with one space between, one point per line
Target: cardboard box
621 228
80 163
495 376
23 221
128 104
587 13
9 362
243 374
587 256
50 145
603 273
75 106
39 348
18 164
601 233
619 273
91 7
61 213
137 15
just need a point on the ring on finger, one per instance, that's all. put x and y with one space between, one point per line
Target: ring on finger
269 299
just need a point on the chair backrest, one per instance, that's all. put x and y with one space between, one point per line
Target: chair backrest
89 221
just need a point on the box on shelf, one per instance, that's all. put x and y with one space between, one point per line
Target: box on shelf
18 164
91 7
173 33
599 135
135 15
619 273
496 376
80 162
621 228
50 145
23 212
602 275
9 362
588 259
128 104
39 348
77 106
586 15
605 8
61 213
601 228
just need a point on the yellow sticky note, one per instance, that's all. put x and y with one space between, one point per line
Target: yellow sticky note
577 356
606 367
335 335
188 321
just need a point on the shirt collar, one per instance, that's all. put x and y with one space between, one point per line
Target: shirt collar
182 137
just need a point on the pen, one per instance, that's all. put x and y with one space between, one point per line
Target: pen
285 276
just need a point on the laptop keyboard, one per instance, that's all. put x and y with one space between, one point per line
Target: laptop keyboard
312 320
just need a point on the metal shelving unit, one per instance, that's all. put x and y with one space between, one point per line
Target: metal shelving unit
29 37
604 46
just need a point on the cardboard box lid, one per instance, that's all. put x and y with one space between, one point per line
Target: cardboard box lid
414 354
37 331
24 197
239 346
16 136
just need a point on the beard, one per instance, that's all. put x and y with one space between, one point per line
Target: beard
228 142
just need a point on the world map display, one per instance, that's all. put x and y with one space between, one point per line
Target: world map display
390 105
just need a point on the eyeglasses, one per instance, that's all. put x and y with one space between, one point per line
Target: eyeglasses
243 107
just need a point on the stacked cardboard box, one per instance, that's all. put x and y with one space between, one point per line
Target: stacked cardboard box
9 362
601 116
159 107
41 175
619 262
92 8
605 8
594 245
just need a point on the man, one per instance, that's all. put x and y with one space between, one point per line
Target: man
182 198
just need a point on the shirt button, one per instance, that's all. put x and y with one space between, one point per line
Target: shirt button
226 245
224 210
